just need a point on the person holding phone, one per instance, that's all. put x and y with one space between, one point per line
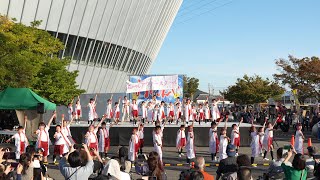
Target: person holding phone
298 169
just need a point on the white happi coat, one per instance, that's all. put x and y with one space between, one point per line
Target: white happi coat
298 142
103 133
91 113
17 139
149 113
187 112
213 136
61 139
91 137
234 134
180 134
46 131
158 149
70 112
78 107
215 112
206 113
223 148
66 130
255 147
191 152
132 144
267 134
109 112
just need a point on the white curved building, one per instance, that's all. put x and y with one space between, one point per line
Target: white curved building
107 40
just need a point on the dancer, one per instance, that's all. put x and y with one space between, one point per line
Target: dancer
201 113
162 112
91 138
193 113
178 112
20 139
141 137
109 111
61 145
268 140
157 141
78 111
92 114
144 111
171 112
116 110
155 115
135 111
206 113
149 113
181 140
43 139
187 111
66 126
70 110
298 139
255 141
213 141
104 139
224 139
133 145
190 148
214 110
235 135
125 109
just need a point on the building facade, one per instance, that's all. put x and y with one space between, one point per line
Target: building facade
107 40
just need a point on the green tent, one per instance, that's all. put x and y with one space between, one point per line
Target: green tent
22 99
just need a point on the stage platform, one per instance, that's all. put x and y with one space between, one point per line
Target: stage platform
120 134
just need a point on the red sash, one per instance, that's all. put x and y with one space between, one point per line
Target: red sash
65 139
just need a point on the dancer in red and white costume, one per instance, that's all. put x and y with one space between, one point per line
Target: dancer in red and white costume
104 139
141 138
190 147
125 109
162 112
201 113
70 111
181 140
255 142
66 126
61 145
178 112
268 140
157 141
187 110
144 111
43 139
156 113
206 110
214 110
78 113
20 139
92 114
193 116
135 111
116 110
109 111
170 112
235 136
214 141
91 138
223 142
133 145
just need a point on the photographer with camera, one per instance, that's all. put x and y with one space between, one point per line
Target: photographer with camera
74 170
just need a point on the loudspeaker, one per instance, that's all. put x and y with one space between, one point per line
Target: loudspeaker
40 108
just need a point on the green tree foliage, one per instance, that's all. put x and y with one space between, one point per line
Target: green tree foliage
301 74
28 58
190 86
251 90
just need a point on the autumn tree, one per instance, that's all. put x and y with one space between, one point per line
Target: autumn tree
190 86
29 58
301 74
251 90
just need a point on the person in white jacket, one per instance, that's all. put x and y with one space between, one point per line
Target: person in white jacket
190 147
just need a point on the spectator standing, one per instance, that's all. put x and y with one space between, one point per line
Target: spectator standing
228 165
298 170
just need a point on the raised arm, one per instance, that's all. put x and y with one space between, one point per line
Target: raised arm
225 123
51 119
241 120
79 99
71 120
62 118
111 97
265 121
95 98
25 123
103 118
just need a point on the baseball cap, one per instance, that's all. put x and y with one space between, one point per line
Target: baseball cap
231 150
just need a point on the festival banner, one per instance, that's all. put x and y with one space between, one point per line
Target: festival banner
153 83
167 95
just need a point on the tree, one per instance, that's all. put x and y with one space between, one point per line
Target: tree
29 58
301 74
251 90
190 86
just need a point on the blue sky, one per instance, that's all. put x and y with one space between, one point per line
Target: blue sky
219 41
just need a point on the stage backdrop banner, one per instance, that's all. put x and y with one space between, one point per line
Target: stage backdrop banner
153 83
167 95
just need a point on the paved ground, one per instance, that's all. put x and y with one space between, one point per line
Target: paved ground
170 156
